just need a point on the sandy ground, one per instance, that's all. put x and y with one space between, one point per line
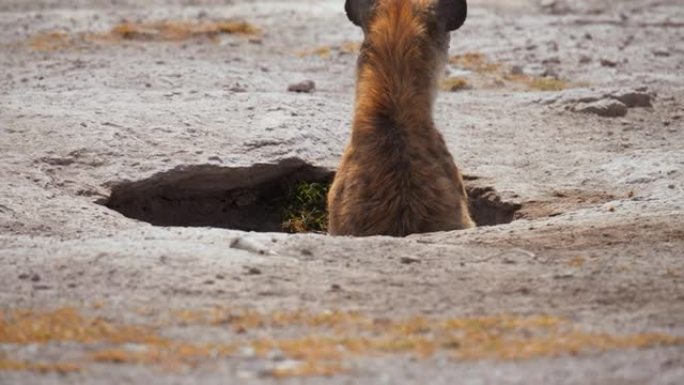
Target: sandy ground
585 287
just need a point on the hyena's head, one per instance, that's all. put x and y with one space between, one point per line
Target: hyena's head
408 37
448 15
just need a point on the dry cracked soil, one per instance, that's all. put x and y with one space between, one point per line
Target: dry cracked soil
145 147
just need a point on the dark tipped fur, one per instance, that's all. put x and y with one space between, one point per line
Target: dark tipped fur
396 176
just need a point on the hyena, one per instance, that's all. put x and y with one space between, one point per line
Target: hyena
396 176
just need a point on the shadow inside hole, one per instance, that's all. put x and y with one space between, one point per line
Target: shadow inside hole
255 198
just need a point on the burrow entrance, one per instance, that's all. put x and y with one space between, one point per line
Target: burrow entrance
285 197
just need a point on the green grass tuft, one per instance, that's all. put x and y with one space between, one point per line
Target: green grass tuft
305 208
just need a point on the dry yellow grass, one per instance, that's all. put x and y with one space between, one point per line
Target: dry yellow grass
66 324
488 74
454 83
59 367
326 51
50 41
476 62
181 30
146 31
324 340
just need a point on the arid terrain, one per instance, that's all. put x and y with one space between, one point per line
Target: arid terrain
194 118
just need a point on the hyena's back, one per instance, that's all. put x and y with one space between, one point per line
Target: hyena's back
397 193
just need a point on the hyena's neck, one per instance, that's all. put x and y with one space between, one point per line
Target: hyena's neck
396 79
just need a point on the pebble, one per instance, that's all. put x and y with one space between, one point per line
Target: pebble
608 62
306 86
517 70
661 52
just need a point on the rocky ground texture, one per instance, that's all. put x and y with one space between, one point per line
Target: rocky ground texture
565 116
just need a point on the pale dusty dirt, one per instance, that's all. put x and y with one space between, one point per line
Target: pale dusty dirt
599 241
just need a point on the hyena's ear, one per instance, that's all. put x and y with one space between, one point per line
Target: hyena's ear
358 11
452 13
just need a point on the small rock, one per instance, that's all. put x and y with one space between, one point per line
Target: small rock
237 88
253 271
551 60
661 52
604 107
306 86
35 278
335 287
408 260
23 276
550 73
608 62
584 59
517 70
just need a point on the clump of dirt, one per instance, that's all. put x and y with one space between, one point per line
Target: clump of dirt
563 201
488 209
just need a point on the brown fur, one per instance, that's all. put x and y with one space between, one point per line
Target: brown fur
396 176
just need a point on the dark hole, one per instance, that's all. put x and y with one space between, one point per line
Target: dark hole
287 196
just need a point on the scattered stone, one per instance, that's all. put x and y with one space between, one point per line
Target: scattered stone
409 260
517 70
551 60
23 276
584 59
605 107
550 72
253 271
306 86
661 52
608 62
35 278
238 88
335 287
